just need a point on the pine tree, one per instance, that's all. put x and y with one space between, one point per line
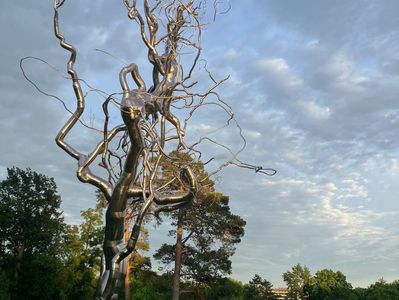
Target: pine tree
206 232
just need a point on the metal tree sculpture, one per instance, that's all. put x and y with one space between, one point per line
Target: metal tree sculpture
131 152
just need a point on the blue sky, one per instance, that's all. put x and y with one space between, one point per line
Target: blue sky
315 88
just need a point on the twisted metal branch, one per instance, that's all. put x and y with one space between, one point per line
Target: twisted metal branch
132 152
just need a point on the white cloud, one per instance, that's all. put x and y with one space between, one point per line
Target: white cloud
277 70
354 189
316 111
394 166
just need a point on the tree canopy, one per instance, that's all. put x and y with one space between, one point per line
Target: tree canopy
297 279
30 217
32 234
259 289
382 290
41 256
327 284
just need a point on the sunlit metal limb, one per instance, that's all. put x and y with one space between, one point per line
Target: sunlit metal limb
85 174
132 159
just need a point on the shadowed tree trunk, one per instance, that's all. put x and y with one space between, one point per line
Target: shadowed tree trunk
178 259
127 276
20 255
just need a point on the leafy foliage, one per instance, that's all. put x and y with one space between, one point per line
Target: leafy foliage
42 277
297 279
42 257
83 249
4 286
147 285
221 289
30 217
259 288
327 284
383 290
31 235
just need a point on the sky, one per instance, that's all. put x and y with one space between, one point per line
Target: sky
314 85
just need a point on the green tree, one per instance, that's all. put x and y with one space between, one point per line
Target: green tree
42 276
31 220
203 253
83 250
359 293
222 289
297 279
327 284
381 290
147 285
31 234
4 286
91 232
258 289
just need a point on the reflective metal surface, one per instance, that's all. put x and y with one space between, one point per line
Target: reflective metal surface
136 105
148 125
